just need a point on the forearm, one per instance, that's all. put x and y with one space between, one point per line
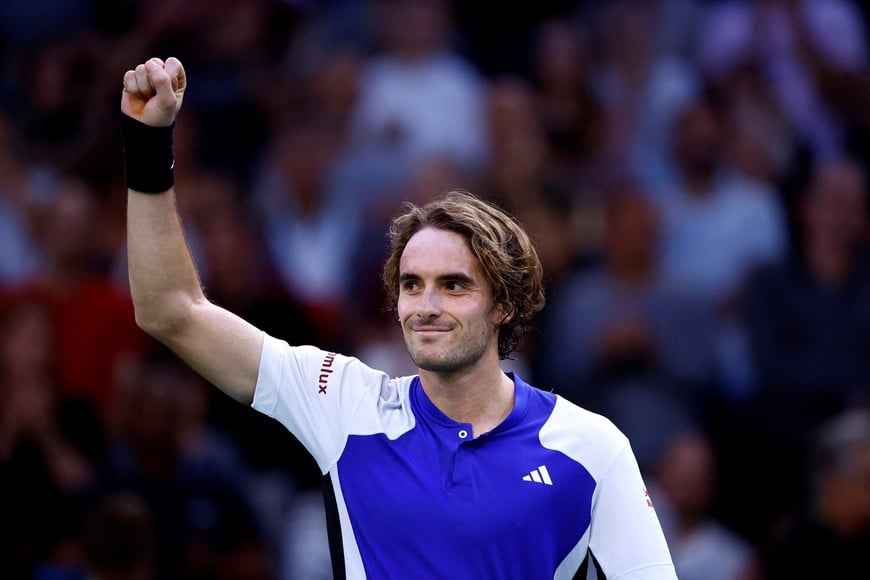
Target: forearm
163 280
167 295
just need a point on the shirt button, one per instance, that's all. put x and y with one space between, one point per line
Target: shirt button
463 433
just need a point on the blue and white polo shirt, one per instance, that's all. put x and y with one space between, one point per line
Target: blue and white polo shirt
413 494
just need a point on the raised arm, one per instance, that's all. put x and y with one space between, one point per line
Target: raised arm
167 295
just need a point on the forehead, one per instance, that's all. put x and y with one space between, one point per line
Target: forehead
434 251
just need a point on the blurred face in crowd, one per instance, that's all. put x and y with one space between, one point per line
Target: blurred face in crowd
632 231
445 303
69 229
629 39
687 473
559 59
305 152
335 82
835 211
414 28
698 141
26 341
845 493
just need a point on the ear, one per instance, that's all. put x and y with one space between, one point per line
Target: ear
502 313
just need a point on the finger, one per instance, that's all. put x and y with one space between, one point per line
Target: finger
130 82
159 79
142 82
176 74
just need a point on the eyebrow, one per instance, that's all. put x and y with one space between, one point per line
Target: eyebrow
449 277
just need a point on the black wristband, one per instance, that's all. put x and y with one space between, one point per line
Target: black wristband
149 160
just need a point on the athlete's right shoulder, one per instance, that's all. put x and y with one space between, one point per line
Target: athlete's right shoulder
311 368
323 397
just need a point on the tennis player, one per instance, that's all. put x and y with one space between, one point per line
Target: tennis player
461 471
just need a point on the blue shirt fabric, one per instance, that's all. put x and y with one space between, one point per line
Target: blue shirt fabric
417 494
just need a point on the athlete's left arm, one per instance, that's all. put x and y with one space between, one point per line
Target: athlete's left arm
626 538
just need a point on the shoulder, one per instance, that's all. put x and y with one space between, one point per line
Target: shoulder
328 374
586 437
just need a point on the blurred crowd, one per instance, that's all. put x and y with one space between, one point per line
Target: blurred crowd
694 174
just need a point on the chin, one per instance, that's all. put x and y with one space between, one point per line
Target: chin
434 363
440 367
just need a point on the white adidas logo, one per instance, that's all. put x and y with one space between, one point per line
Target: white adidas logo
539 475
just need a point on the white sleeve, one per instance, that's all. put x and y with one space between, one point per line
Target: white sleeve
625 535
314 394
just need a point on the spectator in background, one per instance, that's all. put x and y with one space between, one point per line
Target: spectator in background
240 274
832 538
579 165
684 488
310 230
44 466
241 277
717 226
809 314
759 143
55 91
93 326
562 81
29 25
642 90
521 176
812 52
19 187
621 339
808 323
230 46
118 540
190 475
417 96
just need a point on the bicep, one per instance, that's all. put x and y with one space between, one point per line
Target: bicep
222 347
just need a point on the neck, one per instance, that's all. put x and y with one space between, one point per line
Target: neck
482 396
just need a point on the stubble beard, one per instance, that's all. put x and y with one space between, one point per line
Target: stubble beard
451 358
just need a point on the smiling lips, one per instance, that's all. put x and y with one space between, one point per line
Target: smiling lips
424 328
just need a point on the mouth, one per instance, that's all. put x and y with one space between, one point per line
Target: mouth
429 330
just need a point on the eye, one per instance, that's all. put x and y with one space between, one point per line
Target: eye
410 285
454 286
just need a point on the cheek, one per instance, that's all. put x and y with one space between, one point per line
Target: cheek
403 307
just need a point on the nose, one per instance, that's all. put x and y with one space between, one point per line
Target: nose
430 303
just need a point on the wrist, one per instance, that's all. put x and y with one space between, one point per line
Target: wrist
149 158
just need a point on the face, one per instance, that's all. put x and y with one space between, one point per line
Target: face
850 489
445 303
836 208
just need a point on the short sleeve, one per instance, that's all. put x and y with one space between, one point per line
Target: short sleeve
315 394
626 537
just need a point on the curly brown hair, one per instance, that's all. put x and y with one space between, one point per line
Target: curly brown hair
504 250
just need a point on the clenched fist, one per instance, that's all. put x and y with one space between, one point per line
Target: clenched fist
153 92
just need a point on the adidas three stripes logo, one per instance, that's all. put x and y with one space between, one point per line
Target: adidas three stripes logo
539 475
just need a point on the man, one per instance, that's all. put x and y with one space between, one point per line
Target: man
459 472
831 539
